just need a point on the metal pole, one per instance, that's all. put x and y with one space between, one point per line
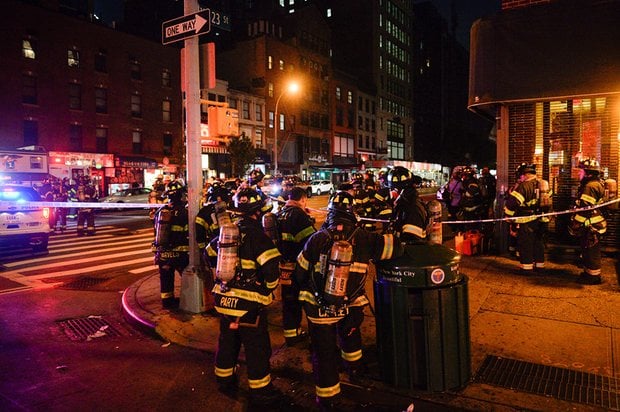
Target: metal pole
191 285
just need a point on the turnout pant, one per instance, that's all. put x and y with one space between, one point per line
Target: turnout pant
531 245
167 269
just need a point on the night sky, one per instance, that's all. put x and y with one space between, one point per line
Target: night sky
467 12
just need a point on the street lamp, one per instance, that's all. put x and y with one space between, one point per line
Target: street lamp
290 88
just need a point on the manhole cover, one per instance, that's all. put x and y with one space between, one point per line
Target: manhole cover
85 329
82 283
564 384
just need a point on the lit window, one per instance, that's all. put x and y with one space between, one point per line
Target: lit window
281 121
270 62
166 107
338 93
349 96
281 64
259 112
270 89
246 110
329 12
271 119
73 58
28 49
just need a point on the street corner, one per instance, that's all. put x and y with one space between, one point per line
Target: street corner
198 331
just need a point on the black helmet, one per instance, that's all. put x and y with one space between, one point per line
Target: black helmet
217 190
467 172
175 191
399 178
255 176
591 166
525 168
247 201
341 201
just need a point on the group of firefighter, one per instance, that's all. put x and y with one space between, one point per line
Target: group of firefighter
68 190
250 250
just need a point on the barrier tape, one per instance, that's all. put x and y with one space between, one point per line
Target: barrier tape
13 205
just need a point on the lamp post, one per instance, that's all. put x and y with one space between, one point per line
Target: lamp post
290 88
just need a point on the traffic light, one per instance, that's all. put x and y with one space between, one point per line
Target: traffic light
223 121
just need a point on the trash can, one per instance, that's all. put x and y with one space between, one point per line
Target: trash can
422 319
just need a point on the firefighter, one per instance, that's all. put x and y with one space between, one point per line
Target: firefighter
207 225
60 213
295 226
86 193
471 203
363 205
246 263
523 203
255 181
331 271
171 244
157 195
411 217
589 225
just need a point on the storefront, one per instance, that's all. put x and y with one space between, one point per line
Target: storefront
129 171
73 165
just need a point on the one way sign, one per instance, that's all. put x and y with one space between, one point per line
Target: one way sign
185 27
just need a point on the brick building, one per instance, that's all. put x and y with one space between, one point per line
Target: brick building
80 89
548 72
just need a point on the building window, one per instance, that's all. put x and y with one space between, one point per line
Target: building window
101 139
136 105
270 62
258 139
166 109
232 103
73 58
270 89
75 137
338 93
349 97
75 96
101 100
31 133
101 61
167 144
360 141
271 119
246 110
281 64
281 121
136 139
259 112
134 68
166 78
28 49
344 146
396 150
29 89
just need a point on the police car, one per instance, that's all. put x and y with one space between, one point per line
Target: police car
23 224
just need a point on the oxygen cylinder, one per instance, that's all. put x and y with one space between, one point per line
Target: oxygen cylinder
611 192
163 228
544 194
270 226
80 194
341 255
227 252
435 233
222 217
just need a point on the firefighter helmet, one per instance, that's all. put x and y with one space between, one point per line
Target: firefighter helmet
341 201
247 201
255 177
216 190
174 191
399 178
591 166
525 168
467 172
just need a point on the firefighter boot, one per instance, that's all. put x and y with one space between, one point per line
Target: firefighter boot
228 386
170 303
267 398
587 279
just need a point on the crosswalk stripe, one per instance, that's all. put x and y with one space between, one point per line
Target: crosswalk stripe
94 243
81 271
142 270
127 243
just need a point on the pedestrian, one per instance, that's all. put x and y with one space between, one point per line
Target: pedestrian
472 202
242 291
523 203
86 193
410 215
171 244
589 225
295 226
452 197
331 271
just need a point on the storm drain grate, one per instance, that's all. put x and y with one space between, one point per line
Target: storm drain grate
85 329
82 283
564 384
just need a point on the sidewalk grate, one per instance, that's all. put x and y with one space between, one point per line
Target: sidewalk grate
564 384
82 283
85 329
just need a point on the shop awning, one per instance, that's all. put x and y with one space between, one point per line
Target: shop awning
548 51
136 161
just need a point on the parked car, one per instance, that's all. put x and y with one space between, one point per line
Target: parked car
23 225
297 182
320 187
132 195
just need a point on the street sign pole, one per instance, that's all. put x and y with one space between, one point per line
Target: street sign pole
191 285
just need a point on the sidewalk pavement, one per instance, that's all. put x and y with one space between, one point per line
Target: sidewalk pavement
548 321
